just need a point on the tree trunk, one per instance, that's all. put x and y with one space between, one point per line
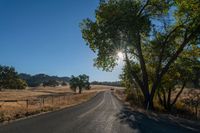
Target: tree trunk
179 93
164 99
144 88
160 99
169 100
155 86
80 90
196 112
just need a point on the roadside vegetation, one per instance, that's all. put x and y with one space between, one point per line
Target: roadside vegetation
160 45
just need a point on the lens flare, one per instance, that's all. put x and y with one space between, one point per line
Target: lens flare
120 55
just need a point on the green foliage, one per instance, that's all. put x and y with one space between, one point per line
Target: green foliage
37 80
153 34
9 79
52 83
64 83
81 82
115 83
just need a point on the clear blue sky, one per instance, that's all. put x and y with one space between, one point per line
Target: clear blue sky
43 36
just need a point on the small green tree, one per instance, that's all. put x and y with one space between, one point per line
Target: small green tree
73 82
9 79
81 82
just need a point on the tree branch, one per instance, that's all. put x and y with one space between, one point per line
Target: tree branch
179 93
173 58
180 49
139 82
145 5
142 62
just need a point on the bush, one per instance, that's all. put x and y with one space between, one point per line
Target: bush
135 99
52 83
9 79
1 116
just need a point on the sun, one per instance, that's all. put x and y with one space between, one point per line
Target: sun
120 55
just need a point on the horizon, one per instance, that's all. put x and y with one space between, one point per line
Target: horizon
44 37
65 77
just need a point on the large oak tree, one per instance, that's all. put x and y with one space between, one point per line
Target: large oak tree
147 32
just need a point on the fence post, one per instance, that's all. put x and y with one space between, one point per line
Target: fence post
27 103
52 100
43 101
40 103
69 99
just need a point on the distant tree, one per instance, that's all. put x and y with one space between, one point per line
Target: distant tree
63 83
37 80
51 83
116 83
9 79
73 82
80 82
83 82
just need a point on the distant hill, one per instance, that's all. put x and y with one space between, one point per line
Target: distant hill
116 83
38 79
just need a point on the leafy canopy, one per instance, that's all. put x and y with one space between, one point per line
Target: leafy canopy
9 79
153 35
81 82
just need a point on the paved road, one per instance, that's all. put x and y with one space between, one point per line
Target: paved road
102 114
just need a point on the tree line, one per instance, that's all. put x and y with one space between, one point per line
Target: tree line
116 83
43 79
10 79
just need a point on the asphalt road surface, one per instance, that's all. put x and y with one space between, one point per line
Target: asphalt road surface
102 114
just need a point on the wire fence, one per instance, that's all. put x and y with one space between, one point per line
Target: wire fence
40 102
12 109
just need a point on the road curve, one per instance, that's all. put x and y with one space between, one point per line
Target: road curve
102 114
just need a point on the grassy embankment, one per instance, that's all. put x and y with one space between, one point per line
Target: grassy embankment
180 109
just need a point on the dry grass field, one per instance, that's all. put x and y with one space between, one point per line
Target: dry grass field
22 103
32 93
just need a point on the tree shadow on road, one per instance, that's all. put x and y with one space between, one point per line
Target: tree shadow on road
148 123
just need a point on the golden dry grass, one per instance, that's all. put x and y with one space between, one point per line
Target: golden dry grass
32 92
47 99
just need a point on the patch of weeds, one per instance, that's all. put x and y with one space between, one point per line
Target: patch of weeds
2 116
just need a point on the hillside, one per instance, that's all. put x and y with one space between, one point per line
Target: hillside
38 79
